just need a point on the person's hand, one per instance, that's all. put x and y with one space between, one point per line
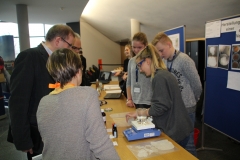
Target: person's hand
29 150
125 76
131 115
130 104
117 73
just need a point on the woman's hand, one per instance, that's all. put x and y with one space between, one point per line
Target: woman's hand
131 115
130 103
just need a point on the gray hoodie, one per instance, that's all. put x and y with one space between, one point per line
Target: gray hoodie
184 69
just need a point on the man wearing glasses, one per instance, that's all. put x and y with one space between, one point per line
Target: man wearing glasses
78 49
29 83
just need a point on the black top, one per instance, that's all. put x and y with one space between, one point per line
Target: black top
125 65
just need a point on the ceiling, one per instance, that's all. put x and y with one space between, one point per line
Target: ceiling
112 17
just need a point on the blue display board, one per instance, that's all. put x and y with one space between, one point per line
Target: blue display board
181 31
222 105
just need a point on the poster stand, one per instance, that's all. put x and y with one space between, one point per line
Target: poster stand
202 148
221 104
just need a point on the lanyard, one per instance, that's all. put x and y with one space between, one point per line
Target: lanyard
136 73
174 56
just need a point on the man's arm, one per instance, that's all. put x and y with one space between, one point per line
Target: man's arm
21 88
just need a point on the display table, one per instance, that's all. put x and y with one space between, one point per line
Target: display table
119 106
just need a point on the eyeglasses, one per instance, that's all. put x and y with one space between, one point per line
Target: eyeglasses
76 48
140 63
70 45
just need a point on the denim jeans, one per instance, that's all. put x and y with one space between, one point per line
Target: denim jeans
190 147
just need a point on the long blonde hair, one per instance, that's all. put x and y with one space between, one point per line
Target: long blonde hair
156 61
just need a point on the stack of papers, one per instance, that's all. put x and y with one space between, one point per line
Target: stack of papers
114 91
112 87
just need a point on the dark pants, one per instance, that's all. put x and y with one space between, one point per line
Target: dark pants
142 106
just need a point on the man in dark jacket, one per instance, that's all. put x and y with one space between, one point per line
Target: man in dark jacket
29 83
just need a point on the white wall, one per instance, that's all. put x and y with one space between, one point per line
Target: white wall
97 46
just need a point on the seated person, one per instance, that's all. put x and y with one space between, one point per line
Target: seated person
167 108
69 118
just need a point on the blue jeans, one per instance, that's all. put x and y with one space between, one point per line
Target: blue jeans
190 147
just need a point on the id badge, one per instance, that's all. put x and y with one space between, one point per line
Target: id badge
136 88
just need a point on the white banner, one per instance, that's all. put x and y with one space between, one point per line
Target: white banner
230 25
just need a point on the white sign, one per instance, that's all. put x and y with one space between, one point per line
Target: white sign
238 33
230 25
233 80
175 41
213 29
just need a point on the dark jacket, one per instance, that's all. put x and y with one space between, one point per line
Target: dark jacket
29 83
84 63
167 108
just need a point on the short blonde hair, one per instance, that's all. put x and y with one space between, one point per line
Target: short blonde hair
63 65
162 38
151 52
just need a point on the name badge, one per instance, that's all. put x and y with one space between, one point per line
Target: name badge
136 90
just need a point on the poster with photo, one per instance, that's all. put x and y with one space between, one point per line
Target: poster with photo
236 57
175 41
212 56
224 56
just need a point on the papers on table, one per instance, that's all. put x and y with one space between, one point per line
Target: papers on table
115 87
114 91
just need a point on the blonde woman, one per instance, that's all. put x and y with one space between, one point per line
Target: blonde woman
69 118
139 90
182 67
167 108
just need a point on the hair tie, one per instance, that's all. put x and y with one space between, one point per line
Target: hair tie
56 85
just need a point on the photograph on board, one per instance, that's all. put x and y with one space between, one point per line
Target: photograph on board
212 56
236 57
224 56
175 41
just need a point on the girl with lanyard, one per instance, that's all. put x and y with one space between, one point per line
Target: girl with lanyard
167 108
184 70
139 90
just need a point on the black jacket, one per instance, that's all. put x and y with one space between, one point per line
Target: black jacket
29 83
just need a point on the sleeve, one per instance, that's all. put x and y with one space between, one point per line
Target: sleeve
191 73
128 84
161 99
21 87
96 133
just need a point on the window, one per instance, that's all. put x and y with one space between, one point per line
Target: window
37 33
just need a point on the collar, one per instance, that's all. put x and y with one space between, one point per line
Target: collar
47 49
58 89
176 53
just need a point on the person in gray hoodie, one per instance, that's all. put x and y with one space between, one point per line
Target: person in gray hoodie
167 108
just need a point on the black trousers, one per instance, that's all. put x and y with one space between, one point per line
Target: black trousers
142 106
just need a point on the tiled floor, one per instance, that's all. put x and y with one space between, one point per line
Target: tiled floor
213 139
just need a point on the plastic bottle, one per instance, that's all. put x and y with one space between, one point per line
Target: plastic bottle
97 83
115 132
104 116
